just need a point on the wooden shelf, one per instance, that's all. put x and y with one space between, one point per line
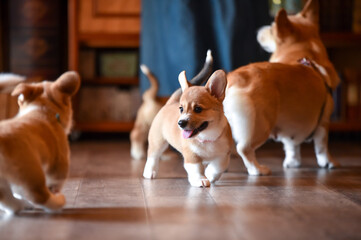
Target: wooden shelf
109 40
104 126
126 81
345 126
341 39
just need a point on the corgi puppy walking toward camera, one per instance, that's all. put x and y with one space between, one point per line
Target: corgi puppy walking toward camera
289 98
193 122
151 106
34 149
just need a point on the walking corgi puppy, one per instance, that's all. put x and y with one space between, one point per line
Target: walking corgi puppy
289 98
151 106
193 122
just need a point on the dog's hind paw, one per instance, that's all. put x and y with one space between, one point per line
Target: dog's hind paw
293 163
333 164
149 174
259 171
204 182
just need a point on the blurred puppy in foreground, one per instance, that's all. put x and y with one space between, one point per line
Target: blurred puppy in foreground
34 149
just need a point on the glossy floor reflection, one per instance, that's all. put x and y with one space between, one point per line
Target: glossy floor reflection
108 199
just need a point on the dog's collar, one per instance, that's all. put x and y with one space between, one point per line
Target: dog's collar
57 116
310 63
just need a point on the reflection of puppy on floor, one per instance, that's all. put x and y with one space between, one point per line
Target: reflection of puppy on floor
193 122
34 149
288 98
151 106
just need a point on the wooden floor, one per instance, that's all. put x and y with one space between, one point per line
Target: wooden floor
108 199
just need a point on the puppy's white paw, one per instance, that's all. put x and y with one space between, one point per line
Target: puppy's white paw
212 176
149 173
333 164
199 182
151 168
137 153
327 162
291 163
260 171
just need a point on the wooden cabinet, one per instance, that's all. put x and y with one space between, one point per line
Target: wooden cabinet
102 26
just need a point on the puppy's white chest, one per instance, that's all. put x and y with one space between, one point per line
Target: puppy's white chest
208 149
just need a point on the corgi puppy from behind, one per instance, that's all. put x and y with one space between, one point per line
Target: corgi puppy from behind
193 122
152 104
288 98
34 149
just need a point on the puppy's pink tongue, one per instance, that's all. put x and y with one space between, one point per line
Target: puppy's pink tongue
187 133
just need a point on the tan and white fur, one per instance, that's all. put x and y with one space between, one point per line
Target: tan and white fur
283 99
151 105
145 115
34 149
193 122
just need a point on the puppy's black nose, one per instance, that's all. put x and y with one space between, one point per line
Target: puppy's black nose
182 123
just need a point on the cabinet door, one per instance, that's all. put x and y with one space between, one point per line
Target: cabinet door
109 16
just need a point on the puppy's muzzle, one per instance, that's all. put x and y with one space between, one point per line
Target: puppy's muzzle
182 123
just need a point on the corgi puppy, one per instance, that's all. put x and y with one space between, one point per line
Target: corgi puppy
34 149
151 106
193 122
289 98
145 115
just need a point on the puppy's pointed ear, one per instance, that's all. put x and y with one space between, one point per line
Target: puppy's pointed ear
283 24
29 91
183 81
217 84
311 11
68 83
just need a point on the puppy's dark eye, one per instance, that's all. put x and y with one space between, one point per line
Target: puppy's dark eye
198 109
181 109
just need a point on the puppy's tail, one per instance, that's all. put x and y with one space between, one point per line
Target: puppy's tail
9 80
199 79
151 92
206 71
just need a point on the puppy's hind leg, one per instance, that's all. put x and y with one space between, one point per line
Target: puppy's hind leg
138 140
323 156
35 190
248 131
155 150
293 154
8 202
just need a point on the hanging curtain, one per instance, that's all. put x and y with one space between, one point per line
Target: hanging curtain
177 33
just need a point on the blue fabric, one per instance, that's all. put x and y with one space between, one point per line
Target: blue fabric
177 33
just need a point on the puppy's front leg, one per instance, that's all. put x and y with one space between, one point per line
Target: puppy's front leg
216 167
195 170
